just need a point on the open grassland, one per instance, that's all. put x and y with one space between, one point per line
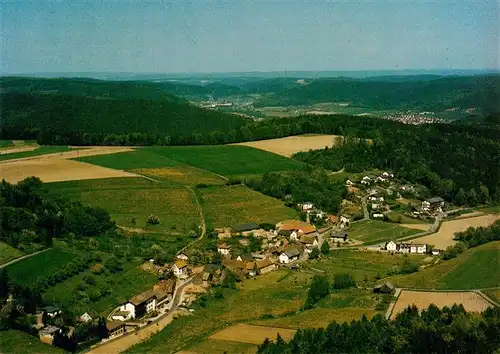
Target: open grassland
471 301
252 334
6 143
41 265
131 160
13 341
397 217
230 205
217 346
375 231
116 289
228 160
32 151
127 198
444 237
493 294
472 269
361 265
293 144
493 209
8 253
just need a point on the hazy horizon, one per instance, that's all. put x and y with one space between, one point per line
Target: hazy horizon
173 37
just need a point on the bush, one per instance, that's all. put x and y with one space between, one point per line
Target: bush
325 248
314 253
408 267
343 281
153 220
320 288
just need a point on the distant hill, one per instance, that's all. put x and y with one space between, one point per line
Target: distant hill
62 106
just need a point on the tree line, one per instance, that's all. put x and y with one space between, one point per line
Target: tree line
450 330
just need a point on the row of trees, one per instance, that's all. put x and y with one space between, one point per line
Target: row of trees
29 214
321 287
473 237
450 330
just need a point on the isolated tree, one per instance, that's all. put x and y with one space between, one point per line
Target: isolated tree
153 220
320 287
325 248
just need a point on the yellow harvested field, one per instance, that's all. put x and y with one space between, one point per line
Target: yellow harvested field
293 144
252 334
56 170
444 237
423 227
471 301
17 149
183 174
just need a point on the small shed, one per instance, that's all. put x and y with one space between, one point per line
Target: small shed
385 288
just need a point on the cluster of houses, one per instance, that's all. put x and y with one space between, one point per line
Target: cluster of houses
368 180
402 247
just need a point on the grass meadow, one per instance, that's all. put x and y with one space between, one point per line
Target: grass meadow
8 253
127 198
229 205
374 231
475 268
132 160
13 341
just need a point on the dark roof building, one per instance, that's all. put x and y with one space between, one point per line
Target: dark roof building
246 227
292 252
385 288
435 200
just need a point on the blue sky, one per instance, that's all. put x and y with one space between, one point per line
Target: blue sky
216 36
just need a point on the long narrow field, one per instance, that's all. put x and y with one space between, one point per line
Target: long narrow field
31 151
375 231
252 334
127 198
471 301
293 144
475 268
230 205
41 265
228 160
8 253
444 237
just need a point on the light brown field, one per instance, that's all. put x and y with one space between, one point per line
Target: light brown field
183 174
293 144
471 301
12 150
56 170
423 227
252 334
444 237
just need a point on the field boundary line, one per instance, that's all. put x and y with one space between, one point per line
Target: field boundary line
18 259
487 298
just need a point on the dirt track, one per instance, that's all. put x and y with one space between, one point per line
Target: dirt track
471 300
444 237
293 144
252 334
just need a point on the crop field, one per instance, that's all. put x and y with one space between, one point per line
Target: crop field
217 346
228 160
361 265
131 160
32 151
444 237
375 231
293 144
252 334
41 265
466 271
8 253
127 198
229 205
120 287
493 294
13 341
471 301
183 174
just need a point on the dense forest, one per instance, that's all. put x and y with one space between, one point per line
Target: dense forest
29 215
450 330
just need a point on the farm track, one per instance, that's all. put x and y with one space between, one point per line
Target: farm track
23 257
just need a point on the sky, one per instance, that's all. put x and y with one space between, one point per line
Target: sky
240 36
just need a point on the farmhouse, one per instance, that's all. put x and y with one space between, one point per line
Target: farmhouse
311 241
139 305
206 278
436 202
85 318
385 288
306 206
183 256
339 237
366 180
121 316
180 269
378 215
265 266
52 311
250 269
391 246
418 248
115 328
406 247
245 228
223 249
290 255
164 291
245 257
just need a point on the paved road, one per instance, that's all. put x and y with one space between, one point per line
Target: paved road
23 257
125 342
432 229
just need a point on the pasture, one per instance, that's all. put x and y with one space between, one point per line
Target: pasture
131 160
472 269
444 237
230 205
252 334
8 253
293 144
374 231
127 198
29 270
14 341
228 160
471 301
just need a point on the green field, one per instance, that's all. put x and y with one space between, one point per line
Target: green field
375 231
8 253
42 150
119 288
216 346
363 266
397 217
13 341
6 143
127 198
228 160
229 205
494 209
493 294
41 265
475 268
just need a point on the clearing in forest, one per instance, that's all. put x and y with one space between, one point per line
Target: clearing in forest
252 334
471 301
444 237
293 144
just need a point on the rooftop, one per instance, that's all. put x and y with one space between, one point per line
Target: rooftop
435 200
292 252
246 227
262 263
180 263
142 297
114 325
